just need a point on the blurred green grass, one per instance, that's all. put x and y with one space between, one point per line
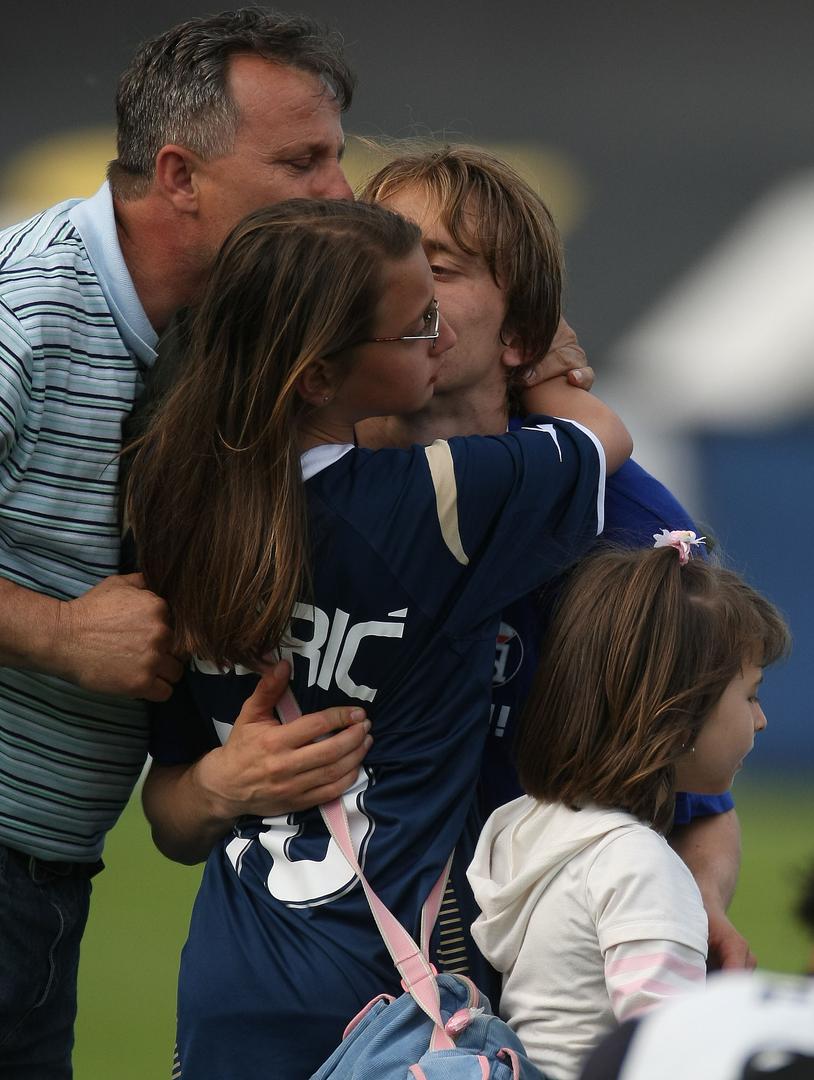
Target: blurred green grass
141 907
777 823
138 920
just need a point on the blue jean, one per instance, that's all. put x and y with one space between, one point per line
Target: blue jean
43 911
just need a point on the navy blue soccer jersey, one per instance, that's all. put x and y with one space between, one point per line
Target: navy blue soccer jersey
636 507
414 556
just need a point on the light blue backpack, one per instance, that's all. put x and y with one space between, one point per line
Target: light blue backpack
395 1039
441 1028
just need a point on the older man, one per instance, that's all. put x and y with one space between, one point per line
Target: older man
216 117
487 236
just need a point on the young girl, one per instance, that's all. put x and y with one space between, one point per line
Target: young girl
380 576
648 685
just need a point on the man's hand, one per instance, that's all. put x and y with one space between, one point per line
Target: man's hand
267 768
727 948
116 639
264 768
565 357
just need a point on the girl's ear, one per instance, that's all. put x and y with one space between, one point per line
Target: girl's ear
317 384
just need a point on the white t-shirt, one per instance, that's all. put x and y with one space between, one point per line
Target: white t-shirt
590 916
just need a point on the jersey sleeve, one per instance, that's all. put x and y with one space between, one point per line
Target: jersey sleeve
516 509
15 380
640 890
690 806
637 505
178 734
640 974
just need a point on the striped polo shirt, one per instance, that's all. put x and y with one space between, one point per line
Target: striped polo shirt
74 342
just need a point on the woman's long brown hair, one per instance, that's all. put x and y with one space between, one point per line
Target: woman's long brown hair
639 651
216 500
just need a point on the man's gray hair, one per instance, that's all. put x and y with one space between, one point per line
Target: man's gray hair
175 89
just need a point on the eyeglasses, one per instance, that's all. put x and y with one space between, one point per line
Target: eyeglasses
432 321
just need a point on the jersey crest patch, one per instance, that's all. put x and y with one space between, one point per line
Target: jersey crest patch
508 655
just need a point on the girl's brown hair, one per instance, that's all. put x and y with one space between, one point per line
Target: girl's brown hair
215 499
639 651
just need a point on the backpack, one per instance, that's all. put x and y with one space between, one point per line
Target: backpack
442 1027
392 1039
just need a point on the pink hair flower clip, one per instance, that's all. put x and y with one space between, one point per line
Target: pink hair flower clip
683 540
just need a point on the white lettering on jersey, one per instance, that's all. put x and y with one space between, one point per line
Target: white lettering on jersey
352 642
309 649
499 728
340 647
235 849
206 667
338 628
222 729
312 882
330 651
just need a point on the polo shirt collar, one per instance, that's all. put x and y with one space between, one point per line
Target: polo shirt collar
95 222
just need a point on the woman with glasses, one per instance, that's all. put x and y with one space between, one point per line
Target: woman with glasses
379 577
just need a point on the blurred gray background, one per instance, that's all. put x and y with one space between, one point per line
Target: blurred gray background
674 144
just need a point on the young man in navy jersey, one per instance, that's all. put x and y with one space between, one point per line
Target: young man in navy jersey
485 242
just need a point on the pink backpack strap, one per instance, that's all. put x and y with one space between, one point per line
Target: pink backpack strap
505 1054
287 707
432 906
418 974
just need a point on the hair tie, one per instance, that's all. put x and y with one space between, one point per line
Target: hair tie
681 539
